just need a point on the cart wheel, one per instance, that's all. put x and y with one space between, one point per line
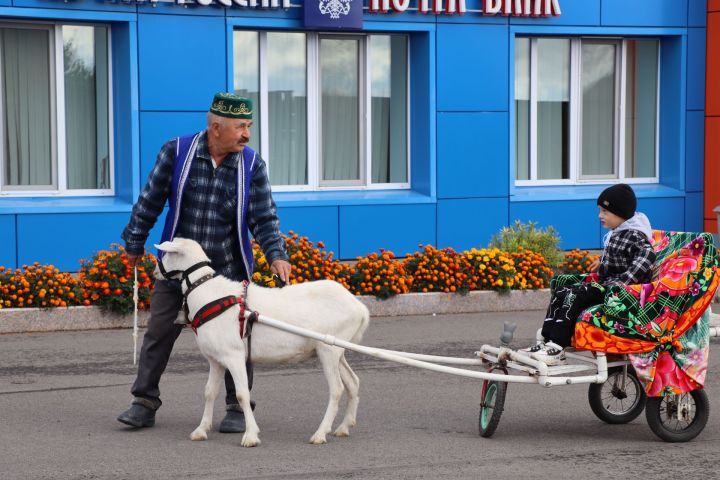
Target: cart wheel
491 406
615 403
678 418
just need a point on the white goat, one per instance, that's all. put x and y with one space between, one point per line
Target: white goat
324 306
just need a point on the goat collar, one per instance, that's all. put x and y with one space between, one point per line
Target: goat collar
185 274
197 283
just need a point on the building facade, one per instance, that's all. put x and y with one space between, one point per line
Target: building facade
409 122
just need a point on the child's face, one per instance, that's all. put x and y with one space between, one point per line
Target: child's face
609 220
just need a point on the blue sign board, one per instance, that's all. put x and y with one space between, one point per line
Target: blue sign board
335 14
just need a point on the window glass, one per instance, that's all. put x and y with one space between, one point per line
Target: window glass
388 64
27 109
553 108
246 76
522 108
598 109
86 107
334 107
586 109
641 108
287 114
340 108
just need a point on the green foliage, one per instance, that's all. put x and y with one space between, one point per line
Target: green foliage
530 237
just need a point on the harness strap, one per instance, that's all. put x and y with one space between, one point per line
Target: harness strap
218 306
252 318
199 282
186 273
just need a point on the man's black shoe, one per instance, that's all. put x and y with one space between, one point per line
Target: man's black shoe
234 421
139 415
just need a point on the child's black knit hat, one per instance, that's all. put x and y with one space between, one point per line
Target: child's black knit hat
619 199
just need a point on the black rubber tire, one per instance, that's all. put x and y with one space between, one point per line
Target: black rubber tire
659 409
492 404
602 395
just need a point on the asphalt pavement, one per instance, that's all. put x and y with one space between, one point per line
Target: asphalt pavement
60 394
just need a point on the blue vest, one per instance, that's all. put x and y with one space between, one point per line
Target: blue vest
184 156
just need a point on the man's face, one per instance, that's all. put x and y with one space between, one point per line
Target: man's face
233 134
609 220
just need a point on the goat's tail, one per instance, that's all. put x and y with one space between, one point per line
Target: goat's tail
364 323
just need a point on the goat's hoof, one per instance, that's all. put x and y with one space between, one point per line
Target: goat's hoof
250 441
318 440
198 435
342 431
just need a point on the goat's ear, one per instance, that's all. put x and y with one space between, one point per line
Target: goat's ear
168 247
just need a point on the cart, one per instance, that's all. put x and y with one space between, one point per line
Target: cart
616 395
644 348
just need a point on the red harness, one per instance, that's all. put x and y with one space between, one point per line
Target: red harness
217 307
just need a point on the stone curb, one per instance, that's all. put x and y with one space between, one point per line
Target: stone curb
25 320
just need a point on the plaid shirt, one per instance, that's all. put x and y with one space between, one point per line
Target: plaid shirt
627 259
209 209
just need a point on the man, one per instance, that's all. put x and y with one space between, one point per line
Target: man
218 192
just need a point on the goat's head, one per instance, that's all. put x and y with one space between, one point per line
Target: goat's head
178 256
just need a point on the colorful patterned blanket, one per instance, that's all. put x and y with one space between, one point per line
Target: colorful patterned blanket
664 325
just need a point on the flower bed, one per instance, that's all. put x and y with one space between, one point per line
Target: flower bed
106 280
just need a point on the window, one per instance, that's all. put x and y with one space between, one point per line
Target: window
586 110
54 110
332 109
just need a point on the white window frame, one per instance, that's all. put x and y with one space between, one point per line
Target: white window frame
57 99
314 126
575 135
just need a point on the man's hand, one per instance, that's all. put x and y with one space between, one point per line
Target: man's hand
282 269
133 259
594 265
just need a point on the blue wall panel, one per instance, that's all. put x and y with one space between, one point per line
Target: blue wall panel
257 14
8 244
467 223
78 5
645 13
664 213
672 112
697 13
62 240
695 151
174 9
472 67
178 73
399 228
5 2
155 233
422 112
696 69
694 212
472 16
574 12
125 108
156 128
316 223
576 221
472 155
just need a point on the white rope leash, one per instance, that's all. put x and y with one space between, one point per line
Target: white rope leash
135 317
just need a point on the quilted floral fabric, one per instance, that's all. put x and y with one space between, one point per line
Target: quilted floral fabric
662 325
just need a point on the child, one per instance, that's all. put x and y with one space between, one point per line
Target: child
627 258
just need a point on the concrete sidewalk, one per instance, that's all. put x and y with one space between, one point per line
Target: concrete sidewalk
60 393
20 320
26 320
